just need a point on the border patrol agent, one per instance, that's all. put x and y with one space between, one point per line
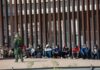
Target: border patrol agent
17 48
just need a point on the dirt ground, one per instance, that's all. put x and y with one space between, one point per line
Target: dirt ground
44 63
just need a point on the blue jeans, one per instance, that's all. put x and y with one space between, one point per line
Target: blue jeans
48 54
95 56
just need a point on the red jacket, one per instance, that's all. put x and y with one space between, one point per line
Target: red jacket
76 49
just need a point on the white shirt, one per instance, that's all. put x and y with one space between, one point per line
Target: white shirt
47 49
32 50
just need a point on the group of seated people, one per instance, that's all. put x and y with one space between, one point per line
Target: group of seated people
86 52
57 52
48 52
6 53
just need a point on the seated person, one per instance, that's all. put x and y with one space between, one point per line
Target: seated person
27 52
75 51
32 51
6 52
65 52
84 51
88 52
82 54
11 53
95 52
48 51
57 52
39 51
1 52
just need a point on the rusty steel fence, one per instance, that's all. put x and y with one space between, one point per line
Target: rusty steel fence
57 22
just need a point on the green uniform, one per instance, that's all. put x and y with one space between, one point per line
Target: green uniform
17 49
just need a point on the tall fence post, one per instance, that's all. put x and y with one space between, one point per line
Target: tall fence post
35 22
6 24
64 23
69 27
21 20
59 24
1 25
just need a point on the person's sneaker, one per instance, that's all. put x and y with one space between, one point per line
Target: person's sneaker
25 57
22 60
16 61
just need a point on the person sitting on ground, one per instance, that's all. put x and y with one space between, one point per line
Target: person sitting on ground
39 51
82 51
75 51
65 52
1 52
11 53
6 51
48 51
87 52
95 52
57 52
32 52
28 51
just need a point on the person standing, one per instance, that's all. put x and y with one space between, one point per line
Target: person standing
18 50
